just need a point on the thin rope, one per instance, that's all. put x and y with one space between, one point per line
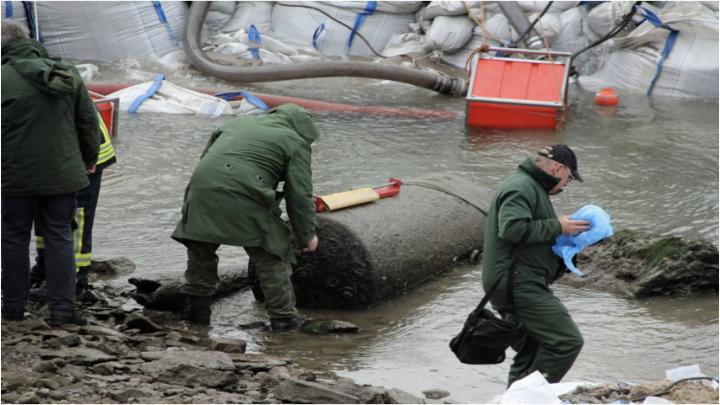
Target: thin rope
443 190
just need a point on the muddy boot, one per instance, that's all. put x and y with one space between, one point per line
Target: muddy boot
197 310
286 323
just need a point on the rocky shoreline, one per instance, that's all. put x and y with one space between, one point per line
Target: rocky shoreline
127 354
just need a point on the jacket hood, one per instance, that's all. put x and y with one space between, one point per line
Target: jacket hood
30 59
299 119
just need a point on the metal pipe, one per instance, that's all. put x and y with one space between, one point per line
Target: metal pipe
520 23
191 42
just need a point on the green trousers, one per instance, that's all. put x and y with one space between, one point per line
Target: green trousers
552 340
201 276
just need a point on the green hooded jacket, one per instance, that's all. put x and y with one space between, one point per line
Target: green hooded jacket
50 130
231 198
521 199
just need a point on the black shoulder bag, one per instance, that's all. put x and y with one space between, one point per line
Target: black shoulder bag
485 337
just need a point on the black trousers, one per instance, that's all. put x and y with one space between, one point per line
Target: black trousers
87 200
53 215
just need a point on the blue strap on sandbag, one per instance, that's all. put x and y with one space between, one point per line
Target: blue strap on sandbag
8 9
149 93
567 246
369 10
319 30
254 38
163 19
653 19
231 95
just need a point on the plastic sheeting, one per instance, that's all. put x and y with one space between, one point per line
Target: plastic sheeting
312 28
108 31
567 246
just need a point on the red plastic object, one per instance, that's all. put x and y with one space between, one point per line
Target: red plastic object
106 112
517 93
389 190
320 205
606 96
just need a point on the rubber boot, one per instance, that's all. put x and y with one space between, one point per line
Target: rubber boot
197 310
287 323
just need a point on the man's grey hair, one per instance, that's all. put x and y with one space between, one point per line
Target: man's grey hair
12 30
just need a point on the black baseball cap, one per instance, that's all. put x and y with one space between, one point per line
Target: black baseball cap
562 154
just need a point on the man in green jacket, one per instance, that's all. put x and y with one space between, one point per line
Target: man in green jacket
232 200
521 208
50 142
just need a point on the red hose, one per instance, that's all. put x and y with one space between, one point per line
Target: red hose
313 105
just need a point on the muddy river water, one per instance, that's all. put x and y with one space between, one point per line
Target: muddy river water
652 164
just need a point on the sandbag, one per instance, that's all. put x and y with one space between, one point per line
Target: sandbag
374 252
257 13
172 99
495 32
219 14
571 36
311 28
14 10
391 7
404 43
448 34
603 18
113 30
691 68
556 7
445 8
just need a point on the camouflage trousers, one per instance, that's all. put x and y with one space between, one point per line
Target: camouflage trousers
201 276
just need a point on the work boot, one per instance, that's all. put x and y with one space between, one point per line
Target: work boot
197 310
287 323
39 295
58 320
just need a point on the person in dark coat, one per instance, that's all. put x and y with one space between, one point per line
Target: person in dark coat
521 206
50 142
232 200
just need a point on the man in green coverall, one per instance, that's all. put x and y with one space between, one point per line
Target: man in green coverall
232 200
522 204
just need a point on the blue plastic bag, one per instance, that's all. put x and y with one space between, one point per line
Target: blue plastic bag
567 246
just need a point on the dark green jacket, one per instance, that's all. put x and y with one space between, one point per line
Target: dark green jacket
50 130
231 198
520 200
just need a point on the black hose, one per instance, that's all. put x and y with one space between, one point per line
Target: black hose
266 73
532 25
623 23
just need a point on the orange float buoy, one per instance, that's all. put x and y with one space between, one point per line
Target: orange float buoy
606 96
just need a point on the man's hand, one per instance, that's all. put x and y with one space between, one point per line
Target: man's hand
572 226
312 245
90 169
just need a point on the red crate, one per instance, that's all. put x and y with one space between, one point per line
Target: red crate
518 93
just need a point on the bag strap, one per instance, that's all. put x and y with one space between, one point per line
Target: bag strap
511 272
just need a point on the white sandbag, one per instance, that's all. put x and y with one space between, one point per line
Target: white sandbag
603 18
537 6
446 8
225 7
571 36
109 31
549 26
172 99
299 25
14 10
87 71
712 5
391 7
257 13
691 69
497 26
404 43
449 34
